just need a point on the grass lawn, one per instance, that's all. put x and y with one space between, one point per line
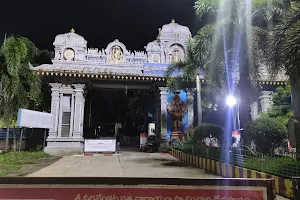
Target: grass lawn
277 165
281 166
15 160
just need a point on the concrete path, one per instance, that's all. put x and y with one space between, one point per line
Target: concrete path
129 164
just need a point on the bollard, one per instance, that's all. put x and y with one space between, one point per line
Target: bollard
296 188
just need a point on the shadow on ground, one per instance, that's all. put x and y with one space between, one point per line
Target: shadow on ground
176 164
164 162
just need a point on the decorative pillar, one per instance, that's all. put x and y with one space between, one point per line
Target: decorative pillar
78 111
82 116
190 103
265 100
67 104
55 104
72 115
254 110
199 100
157 113
163 112
61 96
162 53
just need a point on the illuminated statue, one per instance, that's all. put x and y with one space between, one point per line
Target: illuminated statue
116 55
177 109
176 57
156 59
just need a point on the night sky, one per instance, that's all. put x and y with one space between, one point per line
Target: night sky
133 22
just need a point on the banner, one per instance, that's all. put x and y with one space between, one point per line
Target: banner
35 119
134 188
157 69
135 193
100 145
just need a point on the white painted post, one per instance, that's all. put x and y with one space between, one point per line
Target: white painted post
55 104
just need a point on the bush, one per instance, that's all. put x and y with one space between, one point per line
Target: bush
205 130
190 139
268 133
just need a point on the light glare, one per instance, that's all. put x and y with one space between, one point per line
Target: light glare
231 101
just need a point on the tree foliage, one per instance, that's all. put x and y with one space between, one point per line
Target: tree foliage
20 86
268 133
281 108
229 48
283 52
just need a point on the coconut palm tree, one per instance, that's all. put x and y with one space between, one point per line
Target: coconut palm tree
19 85
284 54
231 47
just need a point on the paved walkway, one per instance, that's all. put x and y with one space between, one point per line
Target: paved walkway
129 164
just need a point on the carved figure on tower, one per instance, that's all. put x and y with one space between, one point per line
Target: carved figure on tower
116 55
177 109
176 57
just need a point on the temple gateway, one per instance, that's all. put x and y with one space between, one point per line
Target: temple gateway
78 73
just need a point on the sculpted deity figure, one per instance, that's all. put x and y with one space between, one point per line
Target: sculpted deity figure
156 59
176 57
177 109
116 55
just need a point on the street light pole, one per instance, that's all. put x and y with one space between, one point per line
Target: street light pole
199 106
233 102
238 116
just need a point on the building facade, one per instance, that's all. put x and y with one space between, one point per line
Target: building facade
76 67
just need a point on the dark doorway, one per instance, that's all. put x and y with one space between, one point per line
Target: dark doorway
131 110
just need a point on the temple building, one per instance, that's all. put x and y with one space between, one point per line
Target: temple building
78 72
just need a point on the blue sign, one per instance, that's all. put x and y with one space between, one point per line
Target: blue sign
158 69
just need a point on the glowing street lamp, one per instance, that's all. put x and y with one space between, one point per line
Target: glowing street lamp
231 101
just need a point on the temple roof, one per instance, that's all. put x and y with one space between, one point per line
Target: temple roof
174 28
117 61
153 46
72 37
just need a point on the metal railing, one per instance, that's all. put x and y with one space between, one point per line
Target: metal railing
277 164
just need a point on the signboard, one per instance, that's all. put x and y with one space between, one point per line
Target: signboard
160 69
34 119
143 139
157 69
237 136
136 189
137 193
100 145
151 129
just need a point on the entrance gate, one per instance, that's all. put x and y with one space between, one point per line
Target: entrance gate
75 69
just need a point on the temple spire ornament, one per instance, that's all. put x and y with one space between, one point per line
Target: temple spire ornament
72 30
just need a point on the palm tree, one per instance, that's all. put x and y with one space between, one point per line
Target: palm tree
19 85
232 47
284 54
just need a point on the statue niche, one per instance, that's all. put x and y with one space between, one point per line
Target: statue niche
177 109
116 55
176 54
